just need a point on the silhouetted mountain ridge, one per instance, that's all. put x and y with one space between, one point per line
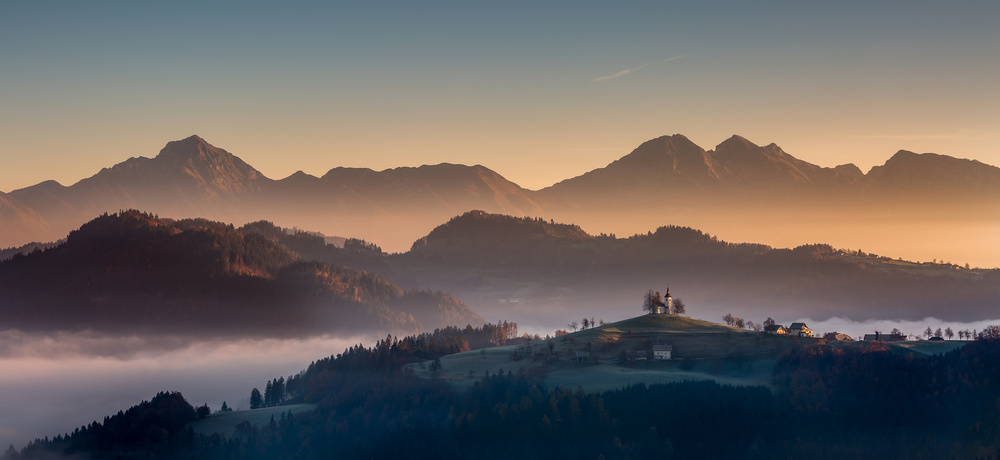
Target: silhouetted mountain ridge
557 270
667 179
930 174
135 271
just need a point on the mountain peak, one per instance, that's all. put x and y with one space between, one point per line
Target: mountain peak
736 143
190 147
908 159
190 164
933 173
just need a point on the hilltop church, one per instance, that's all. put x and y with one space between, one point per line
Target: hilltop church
666 306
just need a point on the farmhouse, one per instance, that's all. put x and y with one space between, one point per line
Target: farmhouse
582 356
636 355
800 329
662 352
776 329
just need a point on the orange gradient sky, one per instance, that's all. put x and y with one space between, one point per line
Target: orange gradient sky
538 93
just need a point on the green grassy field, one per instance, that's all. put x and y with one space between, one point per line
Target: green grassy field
701 350
225 423
927 347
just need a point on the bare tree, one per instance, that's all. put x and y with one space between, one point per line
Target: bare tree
651 302
679 307
586 323
991 333
928 332
573 326
949 333
739 322
938 333
728 319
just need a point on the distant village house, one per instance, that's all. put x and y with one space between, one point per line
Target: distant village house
776 329
880 337
662 352
800 330
636 355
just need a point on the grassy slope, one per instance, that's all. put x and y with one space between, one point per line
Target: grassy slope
225 423
927 347
716 352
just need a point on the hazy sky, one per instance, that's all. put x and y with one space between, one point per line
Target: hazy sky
538 93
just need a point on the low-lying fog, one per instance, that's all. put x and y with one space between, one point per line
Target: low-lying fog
54 383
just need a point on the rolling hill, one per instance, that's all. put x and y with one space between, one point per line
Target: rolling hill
509 267
135 272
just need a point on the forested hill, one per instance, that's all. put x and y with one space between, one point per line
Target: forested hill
496 240
483 258
477 237
132 271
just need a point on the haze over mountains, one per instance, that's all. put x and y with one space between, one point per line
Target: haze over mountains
132 272
739 190
530 268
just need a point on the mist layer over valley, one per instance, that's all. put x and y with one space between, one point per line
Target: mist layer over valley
56 382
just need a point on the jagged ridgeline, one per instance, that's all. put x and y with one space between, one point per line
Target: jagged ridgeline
133 271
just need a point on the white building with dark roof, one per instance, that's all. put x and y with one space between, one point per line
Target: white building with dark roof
800 329
662 352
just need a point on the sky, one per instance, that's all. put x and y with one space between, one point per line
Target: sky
537 91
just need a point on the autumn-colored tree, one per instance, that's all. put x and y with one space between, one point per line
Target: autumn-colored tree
652 302
679 307
728 319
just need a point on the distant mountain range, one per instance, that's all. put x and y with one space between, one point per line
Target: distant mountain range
737 168
665 180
